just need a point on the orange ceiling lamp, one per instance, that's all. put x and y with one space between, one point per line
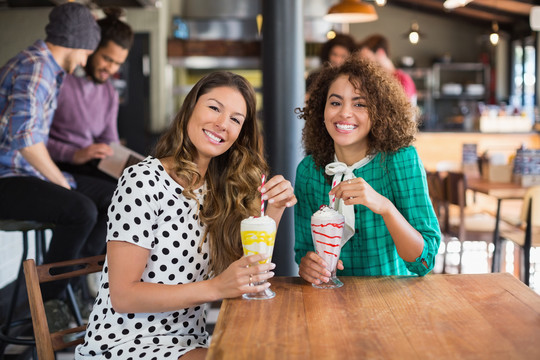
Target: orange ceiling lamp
351 11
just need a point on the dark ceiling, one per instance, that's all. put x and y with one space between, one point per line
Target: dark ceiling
511 15
92 3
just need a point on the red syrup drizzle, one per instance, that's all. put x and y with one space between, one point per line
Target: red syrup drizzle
326 236
339 225
332 245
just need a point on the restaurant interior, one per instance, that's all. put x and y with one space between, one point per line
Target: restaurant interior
474 64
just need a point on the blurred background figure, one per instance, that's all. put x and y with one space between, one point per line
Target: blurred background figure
85 121
31 185
334 52
337 50
376 47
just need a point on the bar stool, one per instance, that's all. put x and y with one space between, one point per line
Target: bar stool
25 227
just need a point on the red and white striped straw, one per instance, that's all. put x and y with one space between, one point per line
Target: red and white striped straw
334 196
263 178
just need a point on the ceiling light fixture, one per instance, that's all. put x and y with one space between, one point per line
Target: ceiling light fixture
414 34
351 11
452 4
380 2
494 36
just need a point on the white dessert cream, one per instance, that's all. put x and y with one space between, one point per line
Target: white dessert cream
327 230
258 235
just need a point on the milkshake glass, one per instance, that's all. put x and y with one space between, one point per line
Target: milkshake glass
258 237
327 230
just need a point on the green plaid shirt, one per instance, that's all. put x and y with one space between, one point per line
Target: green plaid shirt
371 250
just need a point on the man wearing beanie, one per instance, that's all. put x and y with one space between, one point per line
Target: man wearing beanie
85 121
31 185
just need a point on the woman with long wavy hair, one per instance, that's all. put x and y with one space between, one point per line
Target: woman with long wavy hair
174 229
358 134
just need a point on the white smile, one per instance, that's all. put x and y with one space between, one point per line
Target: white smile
346 127
213 137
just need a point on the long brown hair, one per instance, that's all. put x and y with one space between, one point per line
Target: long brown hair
231 177
392 117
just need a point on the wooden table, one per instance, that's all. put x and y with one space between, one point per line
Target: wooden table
500 191
480 316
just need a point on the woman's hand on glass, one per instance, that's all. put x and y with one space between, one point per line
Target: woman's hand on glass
313 268
240 277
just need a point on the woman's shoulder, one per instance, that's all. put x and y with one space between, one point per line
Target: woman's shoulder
144 168
407 152
306 166
405 159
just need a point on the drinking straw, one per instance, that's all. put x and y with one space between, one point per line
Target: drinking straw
333 196
262 200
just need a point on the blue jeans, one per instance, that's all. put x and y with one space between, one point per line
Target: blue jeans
79 216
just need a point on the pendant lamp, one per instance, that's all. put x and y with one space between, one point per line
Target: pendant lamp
351 11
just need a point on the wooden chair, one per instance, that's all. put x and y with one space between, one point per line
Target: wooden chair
440 205
467 223
437 195
25 227
46 342
526 233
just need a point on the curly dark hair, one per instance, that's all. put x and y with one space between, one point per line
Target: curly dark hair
392 117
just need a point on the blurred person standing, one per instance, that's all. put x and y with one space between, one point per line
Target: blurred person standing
32 187
376 47
334 52
85 121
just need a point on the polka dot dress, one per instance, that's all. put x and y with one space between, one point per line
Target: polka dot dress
149 210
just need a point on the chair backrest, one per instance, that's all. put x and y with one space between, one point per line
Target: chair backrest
455 187
46 342
533 193
438 197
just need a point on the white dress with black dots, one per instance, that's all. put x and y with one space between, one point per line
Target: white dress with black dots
148 209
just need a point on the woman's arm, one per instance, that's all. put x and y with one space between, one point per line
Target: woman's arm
410 218
126 263
409 242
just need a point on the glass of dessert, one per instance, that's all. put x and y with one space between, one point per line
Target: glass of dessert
327 230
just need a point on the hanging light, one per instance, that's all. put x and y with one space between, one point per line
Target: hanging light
380 2
414 34
494 36
331 34
453 4
351 11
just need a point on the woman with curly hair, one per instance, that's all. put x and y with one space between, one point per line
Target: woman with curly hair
358 133
174 229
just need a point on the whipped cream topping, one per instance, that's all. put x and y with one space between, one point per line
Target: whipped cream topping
326 212
258 223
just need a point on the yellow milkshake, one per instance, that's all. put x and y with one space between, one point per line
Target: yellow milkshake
258 237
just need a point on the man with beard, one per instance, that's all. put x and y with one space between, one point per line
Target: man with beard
85 122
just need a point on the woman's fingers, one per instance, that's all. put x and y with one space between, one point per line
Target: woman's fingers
313 269
278 190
